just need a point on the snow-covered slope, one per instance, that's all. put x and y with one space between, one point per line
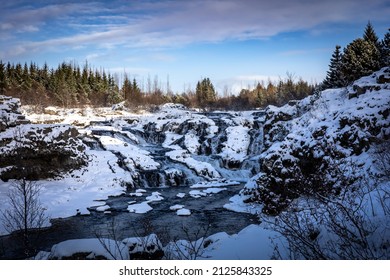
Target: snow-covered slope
310 143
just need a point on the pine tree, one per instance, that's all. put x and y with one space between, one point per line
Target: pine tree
360 58
334 77
136 91
205 93
3 78
370 35
126 89
385 51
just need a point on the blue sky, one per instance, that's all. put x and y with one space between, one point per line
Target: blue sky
234 43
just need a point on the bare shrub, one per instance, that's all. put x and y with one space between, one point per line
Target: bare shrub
25 211
114 249
187 249
354 223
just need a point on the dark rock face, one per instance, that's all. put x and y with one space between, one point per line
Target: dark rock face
36 151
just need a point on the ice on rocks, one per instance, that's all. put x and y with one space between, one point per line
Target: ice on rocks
204 169
197 194
139 208
214 190
155 196
181 195
176 207
134 156
183 212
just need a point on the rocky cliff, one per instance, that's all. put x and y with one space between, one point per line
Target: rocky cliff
35 151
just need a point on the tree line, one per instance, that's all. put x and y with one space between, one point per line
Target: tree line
67 85
70 85
360 58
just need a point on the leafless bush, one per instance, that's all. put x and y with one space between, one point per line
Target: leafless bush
146 244
187 249
354 223
114 249
382 158
25 211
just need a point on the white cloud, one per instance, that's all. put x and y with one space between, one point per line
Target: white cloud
235 84
93 56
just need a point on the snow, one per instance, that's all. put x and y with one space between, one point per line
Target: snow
201 168
183 212
197 194
136 194
214 190
77 116
110 249
176 207
181 195
214 183
134 156
103 208
251 243
237 143
139 208
147 244
237 204
170 138
155 196
191 141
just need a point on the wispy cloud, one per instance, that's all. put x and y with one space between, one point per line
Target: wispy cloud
151 24
22 16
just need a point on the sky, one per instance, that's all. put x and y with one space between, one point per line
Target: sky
234 43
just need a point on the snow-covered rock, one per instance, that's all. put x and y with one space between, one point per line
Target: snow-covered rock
307 148
183 212
93 248
39 151
155 196
35 151
181 195
176 207
144 247
139 208
10 113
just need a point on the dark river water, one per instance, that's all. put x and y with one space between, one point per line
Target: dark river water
208 217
